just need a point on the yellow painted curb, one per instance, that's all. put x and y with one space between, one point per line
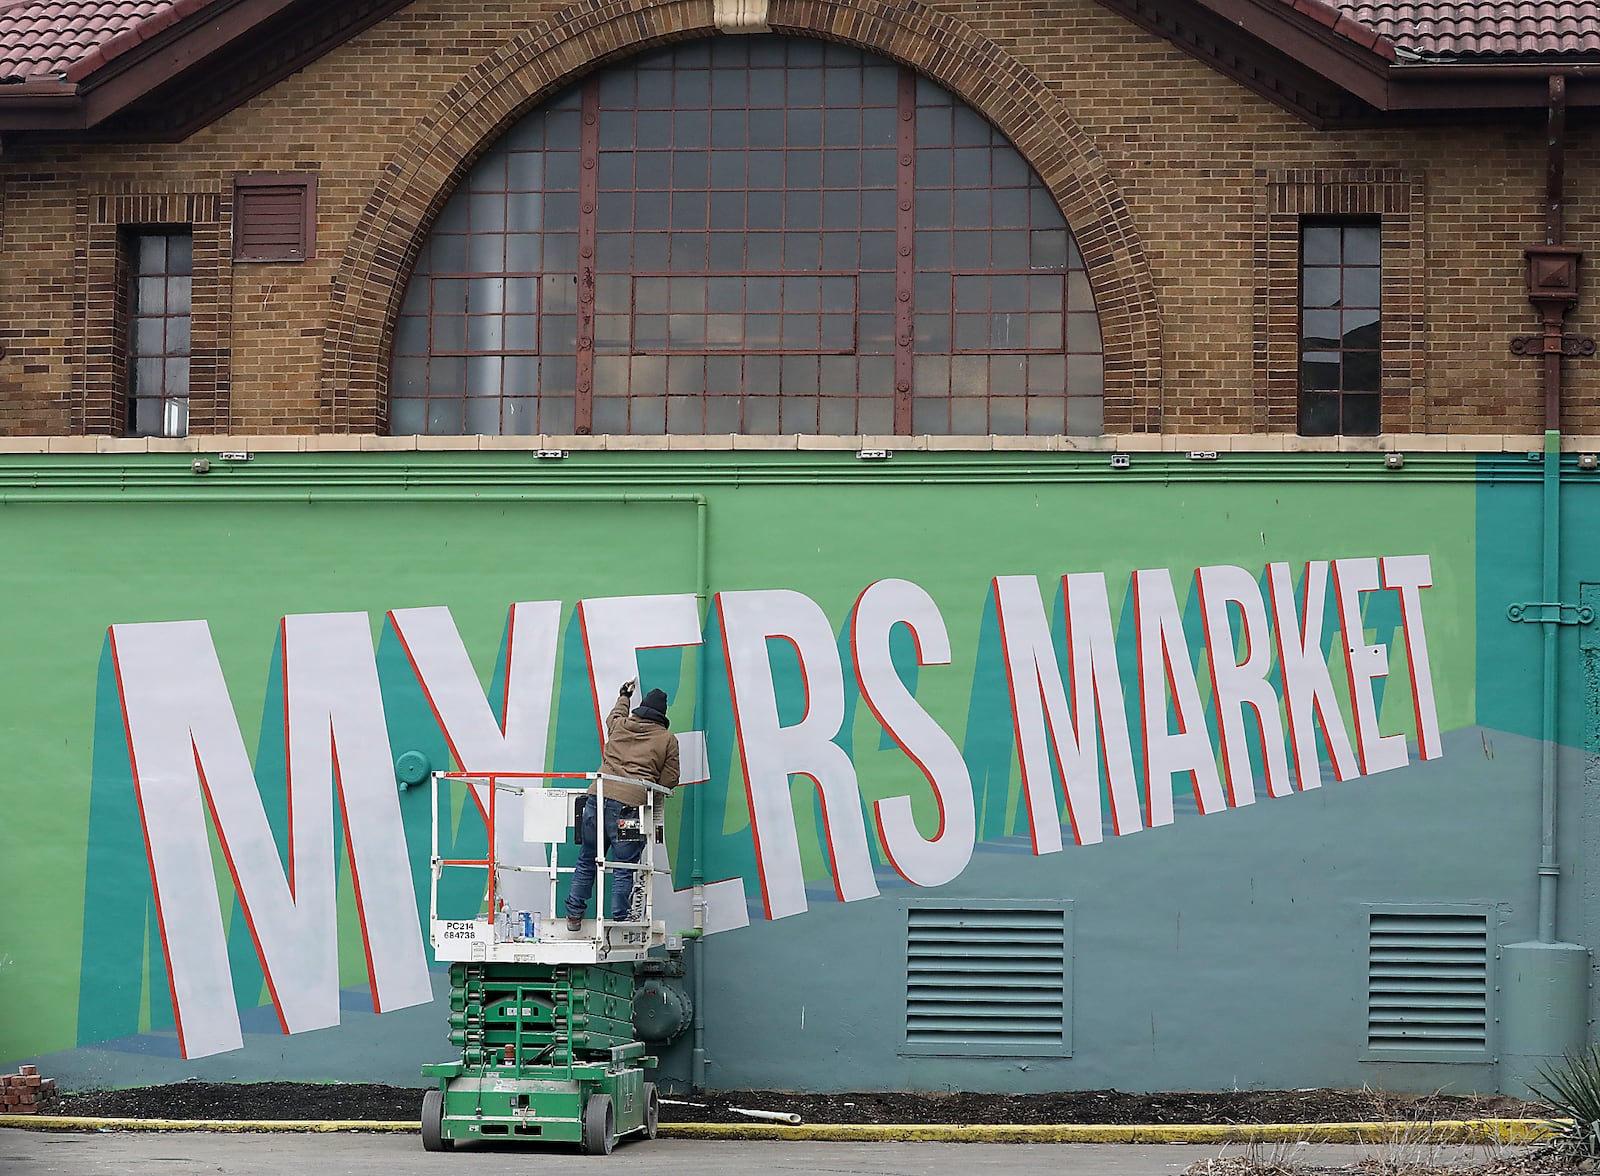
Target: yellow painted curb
1514 1131
1456 1131
75 1123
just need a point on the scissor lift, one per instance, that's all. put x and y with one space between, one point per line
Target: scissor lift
543 1015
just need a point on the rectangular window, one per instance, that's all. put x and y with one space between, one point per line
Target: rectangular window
1341 335
160 268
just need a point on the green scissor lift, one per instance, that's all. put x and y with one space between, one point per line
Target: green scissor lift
543 1016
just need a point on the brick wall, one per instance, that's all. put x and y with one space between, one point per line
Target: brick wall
1178 182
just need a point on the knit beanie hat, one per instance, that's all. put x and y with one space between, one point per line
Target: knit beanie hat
653 708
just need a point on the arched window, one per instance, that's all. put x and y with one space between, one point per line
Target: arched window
750 235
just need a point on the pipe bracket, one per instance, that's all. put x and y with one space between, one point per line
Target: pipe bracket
1551 612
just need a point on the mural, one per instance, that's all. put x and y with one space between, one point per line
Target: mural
872 685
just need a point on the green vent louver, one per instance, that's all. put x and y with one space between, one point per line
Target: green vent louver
989 981
1428 982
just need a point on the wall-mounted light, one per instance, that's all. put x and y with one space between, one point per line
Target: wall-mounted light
1588 461
200 466
1394 461
1121 461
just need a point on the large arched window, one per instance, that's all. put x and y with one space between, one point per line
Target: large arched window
750 235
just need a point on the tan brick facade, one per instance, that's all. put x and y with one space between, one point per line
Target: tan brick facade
1182 187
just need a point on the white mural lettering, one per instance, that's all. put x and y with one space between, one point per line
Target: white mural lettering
926 861
1236 685
184 745
478 743
1365 663
1308 695
615 629
189 761
1045 724
772 752
1165 666
1408 575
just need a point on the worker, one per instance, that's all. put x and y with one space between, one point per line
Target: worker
638 747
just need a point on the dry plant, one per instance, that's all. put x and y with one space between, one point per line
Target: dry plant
1573 1089
1414 1149
1255 1158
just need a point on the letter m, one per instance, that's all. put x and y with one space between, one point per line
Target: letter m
189 759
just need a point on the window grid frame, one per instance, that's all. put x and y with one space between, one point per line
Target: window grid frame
596 182
135 277
1314 402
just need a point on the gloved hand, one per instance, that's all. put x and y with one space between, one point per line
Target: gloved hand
627 687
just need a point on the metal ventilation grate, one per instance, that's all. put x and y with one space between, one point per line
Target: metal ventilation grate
1428 981
990 980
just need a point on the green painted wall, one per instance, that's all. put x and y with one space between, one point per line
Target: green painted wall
1265 894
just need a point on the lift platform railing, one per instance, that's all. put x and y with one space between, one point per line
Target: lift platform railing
548 818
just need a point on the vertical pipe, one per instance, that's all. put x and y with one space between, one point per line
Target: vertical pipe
1554 231
1554 315
1549 871
697 827
1555 162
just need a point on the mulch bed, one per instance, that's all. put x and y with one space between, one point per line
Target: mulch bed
369 1101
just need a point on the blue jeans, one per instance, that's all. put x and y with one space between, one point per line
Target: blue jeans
625 851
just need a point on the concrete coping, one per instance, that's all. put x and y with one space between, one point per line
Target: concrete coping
1188 443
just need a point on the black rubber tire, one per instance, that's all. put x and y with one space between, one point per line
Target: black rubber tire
652 1110
599 1126
433 1138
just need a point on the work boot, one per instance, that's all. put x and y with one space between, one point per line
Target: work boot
574 922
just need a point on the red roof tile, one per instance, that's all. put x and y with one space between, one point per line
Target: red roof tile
1479 28
70 38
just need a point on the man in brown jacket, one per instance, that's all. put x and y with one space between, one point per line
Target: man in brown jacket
638 747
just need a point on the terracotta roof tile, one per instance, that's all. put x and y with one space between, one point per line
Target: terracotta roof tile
1479 28
70 38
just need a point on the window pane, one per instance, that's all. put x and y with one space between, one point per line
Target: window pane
1361 245
1361 415
1319 287
1320 245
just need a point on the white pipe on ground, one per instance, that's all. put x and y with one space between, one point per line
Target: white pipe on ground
774 1116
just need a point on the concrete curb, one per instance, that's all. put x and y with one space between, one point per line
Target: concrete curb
1466 1131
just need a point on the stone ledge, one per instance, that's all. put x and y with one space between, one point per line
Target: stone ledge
212 444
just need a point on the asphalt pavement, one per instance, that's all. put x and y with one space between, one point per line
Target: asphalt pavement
117 1153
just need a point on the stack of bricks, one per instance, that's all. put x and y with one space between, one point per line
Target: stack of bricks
25 1093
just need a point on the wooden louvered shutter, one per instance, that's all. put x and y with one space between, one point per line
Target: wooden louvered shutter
274 216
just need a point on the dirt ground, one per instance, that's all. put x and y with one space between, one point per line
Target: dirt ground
295 1100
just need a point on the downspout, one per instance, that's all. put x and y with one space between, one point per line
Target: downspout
1555 308
1544 983
697 829
1555 313
1549 762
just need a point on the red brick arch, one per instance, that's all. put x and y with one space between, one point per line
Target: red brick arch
575 40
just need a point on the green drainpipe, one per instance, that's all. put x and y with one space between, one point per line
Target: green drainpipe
697 797
1544 983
